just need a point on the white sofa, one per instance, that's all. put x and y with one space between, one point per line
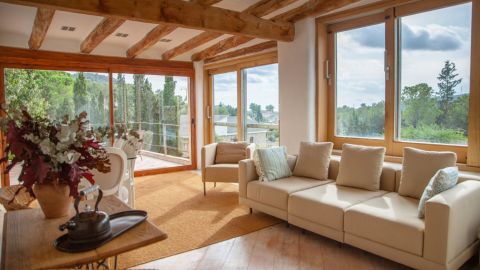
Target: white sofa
381 222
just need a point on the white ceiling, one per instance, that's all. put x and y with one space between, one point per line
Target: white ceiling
16 24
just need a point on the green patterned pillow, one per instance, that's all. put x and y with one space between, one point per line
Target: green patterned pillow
271 163
443 180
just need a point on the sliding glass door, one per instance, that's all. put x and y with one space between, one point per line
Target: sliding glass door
158 107
54 94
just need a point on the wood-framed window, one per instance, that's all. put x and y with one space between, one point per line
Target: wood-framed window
242 101
107 90
403 76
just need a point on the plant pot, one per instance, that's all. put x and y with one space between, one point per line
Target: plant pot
54 199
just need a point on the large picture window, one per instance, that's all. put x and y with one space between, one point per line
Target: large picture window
434 75
400 77
261 107
244 102
360 82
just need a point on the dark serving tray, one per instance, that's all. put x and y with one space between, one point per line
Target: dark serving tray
119 222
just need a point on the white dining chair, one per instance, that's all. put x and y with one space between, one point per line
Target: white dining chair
110 182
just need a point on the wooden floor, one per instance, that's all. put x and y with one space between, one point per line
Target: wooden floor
278 247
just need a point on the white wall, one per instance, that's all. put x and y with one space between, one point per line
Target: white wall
296 64
198 66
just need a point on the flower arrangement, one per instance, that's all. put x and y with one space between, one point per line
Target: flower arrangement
52 152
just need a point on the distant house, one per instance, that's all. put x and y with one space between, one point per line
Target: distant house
228 131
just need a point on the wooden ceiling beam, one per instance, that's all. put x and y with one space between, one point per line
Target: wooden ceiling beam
206 2
161 31
221 46
43 18
312 8
259 9
105 28
190 44
244 51
176 13
265 7
150 39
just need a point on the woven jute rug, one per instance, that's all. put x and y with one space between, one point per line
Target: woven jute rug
175 203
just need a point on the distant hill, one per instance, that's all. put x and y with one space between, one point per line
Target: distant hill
100 78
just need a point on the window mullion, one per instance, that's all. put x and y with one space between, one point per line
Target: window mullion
390 80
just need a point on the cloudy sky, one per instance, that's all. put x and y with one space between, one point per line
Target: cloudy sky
261 84
427 41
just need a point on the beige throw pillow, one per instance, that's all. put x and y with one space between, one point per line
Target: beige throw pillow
230 152
313 160
361 166
419 167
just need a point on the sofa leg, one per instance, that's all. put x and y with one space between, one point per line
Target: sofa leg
287 225
214 184
251 211
204 190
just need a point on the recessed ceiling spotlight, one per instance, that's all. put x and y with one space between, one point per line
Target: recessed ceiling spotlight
122 35
165 40
68 28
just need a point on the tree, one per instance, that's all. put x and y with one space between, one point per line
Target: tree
119 93
138 81
170 112
256 112
270 108
419 105
446 90
457 117
80 94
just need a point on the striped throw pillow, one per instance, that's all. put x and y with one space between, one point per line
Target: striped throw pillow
271 163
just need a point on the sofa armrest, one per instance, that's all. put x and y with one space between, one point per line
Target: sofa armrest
250 151
246 173
452 219
208 157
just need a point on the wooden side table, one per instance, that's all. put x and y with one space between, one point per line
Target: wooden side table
28 239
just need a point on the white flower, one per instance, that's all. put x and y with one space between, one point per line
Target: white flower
32 138
67 133
68 157
47 147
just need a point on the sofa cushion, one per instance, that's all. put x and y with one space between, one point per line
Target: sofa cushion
230 152
313 160
276 193
419 166
271 163
388 179
390 220
444 179
222 173
325 205
361 166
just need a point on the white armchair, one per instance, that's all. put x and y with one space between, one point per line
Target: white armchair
220 161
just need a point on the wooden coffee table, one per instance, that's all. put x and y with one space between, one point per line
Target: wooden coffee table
28 239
